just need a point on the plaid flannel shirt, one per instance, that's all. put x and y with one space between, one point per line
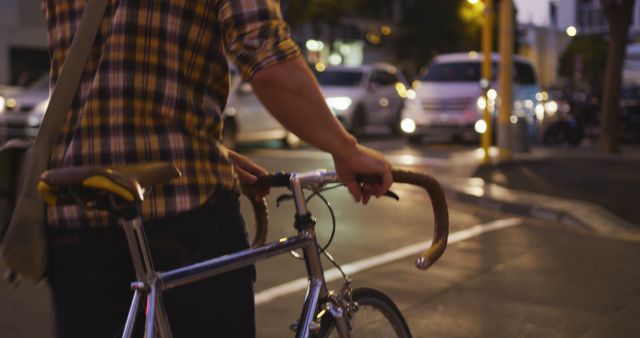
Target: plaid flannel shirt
154 88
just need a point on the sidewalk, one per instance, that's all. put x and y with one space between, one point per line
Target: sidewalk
574 185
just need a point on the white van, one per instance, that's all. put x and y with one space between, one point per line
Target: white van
447 99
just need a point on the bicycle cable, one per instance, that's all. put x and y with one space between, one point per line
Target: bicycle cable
323 249
328 205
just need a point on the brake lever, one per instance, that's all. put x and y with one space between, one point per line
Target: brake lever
392 194
282 198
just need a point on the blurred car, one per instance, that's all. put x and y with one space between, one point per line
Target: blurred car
363 96
557 114
22 110
447 98
247 120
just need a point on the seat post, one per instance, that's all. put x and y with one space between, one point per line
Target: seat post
139 249
146 274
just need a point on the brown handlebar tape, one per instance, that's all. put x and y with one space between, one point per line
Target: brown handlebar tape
260 213
440 214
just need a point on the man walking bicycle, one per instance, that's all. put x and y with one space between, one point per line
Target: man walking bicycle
153 89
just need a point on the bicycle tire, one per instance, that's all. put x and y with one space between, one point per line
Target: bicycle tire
377 317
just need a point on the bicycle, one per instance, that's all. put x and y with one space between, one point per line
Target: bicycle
325 313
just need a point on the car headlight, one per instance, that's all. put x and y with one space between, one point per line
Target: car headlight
340 103
539 111
480 127
481 103
408 126
551 107
492 94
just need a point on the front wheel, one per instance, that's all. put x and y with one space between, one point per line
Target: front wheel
375 315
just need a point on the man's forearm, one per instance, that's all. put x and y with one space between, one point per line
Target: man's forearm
290 92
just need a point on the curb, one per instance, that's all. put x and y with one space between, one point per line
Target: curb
574 213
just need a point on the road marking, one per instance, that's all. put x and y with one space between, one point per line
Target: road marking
300 284
319 155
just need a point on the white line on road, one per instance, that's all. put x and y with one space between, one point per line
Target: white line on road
368 263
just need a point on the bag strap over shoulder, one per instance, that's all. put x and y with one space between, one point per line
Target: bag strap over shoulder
67 85
24 246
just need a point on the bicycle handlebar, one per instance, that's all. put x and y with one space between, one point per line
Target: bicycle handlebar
440 214
318 178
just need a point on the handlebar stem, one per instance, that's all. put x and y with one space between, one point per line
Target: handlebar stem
312 179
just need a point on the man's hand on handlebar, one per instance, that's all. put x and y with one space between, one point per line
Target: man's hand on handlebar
364 161
247 170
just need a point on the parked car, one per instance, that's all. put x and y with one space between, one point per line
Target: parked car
247 120
22 110
363 96
448 99
558 118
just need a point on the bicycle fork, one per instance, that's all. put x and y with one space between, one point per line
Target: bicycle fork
316 290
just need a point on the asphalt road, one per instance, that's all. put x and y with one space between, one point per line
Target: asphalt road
501 276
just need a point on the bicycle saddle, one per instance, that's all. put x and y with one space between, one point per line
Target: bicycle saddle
64 186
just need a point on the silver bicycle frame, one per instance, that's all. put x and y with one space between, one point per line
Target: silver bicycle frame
151 283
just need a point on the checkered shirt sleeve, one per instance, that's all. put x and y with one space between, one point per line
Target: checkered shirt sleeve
154 89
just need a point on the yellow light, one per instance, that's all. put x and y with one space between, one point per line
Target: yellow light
572 31
473 54
473 13
385 30
415 84
11 103
373 38
513 119
401 89
320 67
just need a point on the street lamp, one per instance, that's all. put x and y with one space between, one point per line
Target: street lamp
572 31
485 128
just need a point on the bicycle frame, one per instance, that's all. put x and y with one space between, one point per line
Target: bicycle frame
152 283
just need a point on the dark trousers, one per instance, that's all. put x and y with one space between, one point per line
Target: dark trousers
90 273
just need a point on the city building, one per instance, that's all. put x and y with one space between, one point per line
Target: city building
356 39
23 42
588 17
